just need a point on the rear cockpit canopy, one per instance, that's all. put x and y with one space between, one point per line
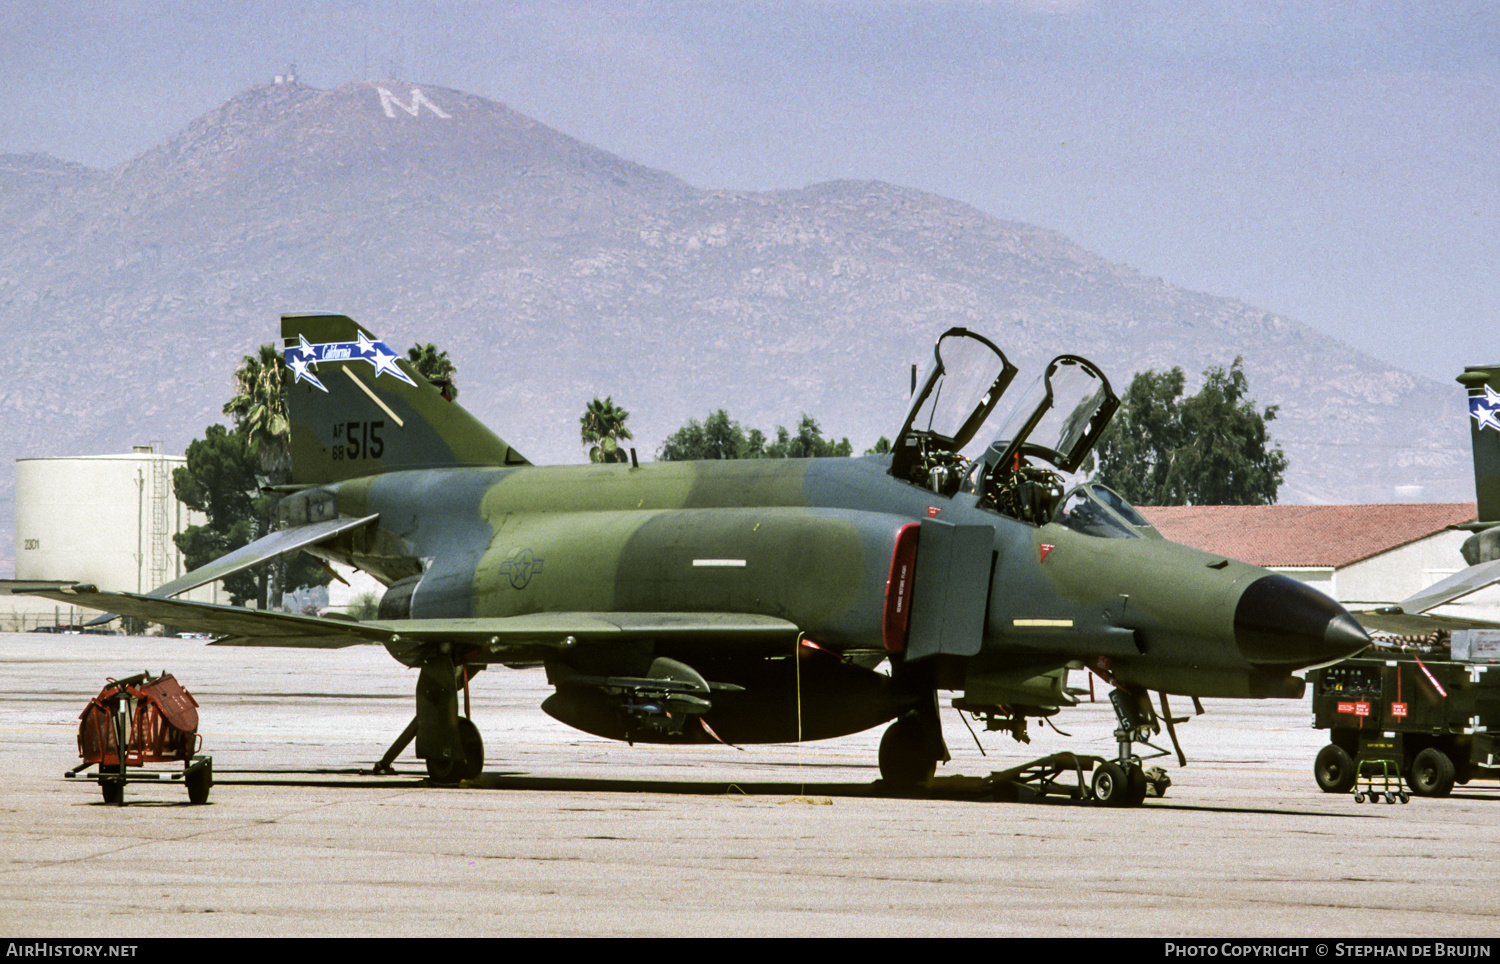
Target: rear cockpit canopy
1060 417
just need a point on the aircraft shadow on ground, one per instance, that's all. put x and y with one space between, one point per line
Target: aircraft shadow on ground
518 781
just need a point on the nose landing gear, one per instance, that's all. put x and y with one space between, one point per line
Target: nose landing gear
1125 781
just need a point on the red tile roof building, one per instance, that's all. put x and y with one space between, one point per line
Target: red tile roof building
1305 535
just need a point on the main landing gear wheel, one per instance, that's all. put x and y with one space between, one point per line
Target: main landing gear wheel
445 772
199 782
452 771
906 758
473 744
1334 769
1432 774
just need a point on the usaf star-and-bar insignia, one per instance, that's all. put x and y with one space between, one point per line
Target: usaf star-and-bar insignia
1485 409
303 359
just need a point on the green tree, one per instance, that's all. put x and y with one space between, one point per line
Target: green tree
720 437
808 443
602 427
1211 448
365 606
219 480
259 410
435 366
716 437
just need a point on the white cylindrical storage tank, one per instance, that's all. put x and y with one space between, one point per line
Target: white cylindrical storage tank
102 519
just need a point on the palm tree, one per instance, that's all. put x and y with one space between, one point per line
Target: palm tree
603 427
259 410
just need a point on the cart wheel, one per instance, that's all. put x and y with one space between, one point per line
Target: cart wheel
1390 797
114 791
1334 769
1431 774
1405 797
199 782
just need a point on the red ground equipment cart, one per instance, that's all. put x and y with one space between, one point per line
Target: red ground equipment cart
137 721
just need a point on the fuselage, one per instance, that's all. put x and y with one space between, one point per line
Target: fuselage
815 542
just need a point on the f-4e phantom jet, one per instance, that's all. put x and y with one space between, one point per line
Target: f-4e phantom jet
753 601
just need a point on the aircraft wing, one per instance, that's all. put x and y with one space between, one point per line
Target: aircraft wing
1397 622
1410 617
505 637
1456 586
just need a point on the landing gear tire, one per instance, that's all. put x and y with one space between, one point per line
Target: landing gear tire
452 771
199 782
1431 774
906 759
445 772
1112 786
473 744
1136 784
1334 769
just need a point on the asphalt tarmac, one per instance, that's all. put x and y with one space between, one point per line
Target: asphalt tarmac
567 834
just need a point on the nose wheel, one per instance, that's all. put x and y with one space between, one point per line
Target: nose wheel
1115 785
1124 781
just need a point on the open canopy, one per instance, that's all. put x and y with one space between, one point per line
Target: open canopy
1057 421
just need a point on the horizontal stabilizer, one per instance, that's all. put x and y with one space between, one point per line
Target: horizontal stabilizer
1456 586
264 549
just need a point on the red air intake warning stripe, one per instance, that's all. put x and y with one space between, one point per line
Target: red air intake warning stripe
898 588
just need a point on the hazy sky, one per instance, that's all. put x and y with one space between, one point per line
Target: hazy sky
1331 161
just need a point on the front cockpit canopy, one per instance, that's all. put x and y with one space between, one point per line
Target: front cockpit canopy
961 387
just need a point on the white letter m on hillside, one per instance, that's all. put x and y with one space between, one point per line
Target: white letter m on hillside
418 101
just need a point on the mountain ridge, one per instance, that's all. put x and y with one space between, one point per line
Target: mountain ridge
553 271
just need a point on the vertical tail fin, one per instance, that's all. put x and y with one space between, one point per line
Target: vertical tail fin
358 408
1483 383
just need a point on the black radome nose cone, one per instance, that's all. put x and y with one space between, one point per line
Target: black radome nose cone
1283 623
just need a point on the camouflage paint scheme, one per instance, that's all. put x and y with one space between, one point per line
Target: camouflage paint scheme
742 601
